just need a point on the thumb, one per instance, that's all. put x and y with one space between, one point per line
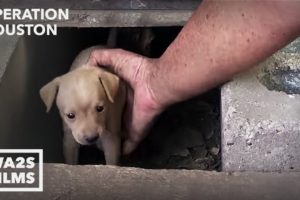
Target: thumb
124 63
129 146
141 117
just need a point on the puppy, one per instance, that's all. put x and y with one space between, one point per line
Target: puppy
90 101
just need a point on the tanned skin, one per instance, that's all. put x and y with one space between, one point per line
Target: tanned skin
221 39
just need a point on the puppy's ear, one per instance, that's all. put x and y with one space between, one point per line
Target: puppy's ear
110 83
48 93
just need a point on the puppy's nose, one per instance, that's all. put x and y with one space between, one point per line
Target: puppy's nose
92 139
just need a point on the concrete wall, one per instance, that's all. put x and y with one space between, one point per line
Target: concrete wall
260 115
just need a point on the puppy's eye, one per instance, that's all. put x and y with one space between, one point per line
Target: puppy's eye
71 115
99 108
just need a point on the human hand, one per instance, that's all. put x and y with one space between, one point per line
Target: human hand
142 104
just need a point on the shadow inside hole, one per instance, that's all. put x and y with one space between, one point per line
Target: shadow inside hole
185 136
37 60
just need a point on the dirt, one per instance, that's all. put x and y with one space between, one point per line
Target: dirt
186 136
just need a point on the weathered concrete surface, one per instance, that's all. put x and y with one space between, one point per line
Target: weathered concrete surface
146 18
122 13
107 182
8 45
104 5
120 18
260 116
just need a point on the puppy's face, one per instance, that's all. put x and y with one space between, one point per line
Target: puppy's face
83 105
83 97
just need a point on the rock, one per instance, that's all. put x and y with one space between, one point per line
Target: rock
214 151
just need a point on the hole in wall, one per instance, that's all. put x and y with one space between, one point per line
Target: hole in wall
185 136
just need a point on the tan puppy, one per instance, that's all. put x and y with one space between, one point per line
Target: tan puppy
90 101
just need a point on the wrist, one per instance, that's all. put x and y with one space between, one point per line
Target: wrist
160 84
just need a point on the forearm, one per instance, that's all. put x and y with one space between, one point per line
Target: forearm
221 39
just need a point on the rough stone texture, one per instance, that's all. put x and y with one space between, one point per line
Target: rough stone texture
121 18
107 182
127 18
104 5
260 116
8 45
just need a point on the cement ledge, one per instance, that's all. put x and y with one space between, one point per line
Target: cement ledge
108 182
8 45
119 18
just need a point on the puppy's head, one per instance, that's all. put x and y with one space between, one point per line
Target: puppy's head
83 97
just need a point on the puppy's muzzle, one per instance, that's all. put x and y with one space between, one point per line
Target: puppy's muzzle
92 139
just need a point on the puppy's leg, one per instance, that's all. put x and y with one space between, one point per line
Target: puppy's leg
111 145
70 147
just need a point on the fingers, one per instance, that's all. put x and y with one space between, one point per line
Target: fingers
129 147
141 106
124 63
138 131
136 126
141 118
